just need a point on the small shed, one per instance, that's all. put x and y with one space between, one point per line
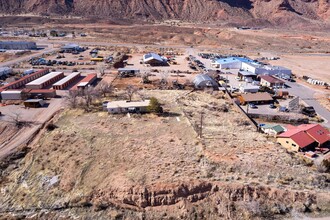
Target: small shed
282 93
272 129
34 103
202 81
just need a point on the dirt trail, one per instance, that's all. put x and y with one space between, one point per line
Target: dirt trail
24 135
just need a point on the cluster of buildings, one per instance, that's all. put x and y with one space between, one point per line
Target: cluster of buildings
44 83
305 137
18 45
310 139
250 67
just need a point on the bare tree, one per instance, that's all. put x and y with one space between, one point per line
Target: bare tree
104 88
102 67
90 94
130 91
145 78
164 80
72 98
16 117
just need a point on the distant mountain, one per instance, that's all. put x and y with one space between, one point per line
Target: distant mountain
278 12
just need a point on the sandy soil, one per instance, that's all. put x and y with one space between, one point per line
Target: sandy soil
312 65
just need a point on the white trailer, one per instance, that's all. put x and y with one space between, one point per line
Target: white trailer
11 95
28 72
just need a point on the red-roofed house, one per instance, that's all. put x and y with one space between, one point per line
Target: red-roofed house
320 134
304 137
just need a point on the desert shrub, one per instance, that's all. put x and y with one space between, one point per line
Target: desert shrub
154 106
51 127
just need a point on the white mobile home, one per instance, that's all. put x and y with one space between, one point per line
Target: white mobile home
117 107
11 95
249 89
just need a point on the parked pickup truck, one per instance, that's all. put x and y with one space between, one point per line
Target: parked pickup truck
309 111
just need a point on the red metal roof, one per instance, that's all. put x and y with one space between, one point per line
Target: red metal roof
42 91
88 78
305 133
319 133
302 139
22 79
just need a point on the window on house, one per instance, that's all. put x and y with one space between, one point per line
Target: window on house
287 142
294 145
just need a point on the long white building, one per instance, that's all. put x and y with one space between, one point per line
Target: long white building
46 80
250 66
65 82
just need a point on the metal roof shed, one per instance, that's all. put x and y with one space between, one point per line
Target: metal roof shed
203 80
153 59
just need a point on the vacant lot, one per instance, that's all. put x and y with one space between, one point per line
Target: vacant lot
313 65
147 160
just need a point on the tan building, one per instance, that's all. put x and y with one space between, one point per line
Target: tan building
304 137
271 81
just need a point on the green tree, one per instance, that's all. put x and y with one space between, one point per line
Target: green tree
53 33
155 106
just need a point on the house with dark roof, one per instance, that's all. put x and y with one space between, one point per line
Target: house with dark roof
256 98
271 81
304 137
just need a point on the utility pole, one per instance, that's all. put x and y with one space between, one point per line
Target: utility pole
201 126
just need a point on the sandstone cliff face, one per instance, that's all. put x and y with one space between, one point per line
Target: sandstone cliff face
191 10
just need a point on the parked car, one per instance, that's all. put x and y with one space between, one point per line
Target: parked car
251 105
272 106
309 111
284 109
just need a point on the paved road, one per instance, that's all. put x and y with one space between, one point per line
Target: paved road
307 95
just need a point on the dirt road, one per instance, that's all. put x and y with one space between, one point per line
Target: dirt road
35 118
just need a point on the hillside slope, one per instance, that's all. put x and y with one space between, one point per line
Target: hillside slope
274 11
